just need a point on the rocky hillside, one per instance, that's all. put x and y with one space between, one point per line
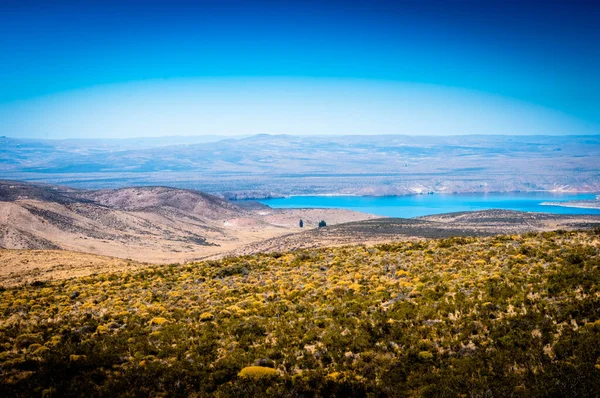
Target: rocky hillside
152 198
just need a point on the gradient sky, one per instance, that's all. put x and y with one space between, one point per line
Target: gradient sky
149 68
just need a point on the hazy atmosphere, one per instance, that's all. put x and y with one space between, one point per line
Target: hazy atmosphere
300 199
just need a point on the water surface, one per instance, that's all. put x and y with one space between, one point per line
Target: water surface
423 205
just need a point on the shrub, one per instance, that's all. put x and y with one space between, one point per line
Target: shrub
501 316
206 316
257 372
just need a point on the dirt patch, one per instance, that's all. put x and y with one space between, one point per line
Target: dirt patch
27 266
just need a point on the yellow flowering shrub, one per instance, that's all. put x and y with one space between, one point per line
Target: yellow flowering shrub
257 372
206 316
451 317
158 321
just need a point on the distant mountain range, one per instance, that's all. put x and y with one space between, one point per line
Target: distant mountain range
278 165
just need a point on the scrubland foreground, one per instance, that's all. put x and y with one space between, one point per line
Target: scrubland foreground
497 316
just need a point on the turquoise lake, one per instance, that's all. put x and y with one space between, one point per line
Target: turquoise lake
423 205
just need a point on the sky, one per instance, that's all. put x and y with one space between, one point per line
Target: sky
154 68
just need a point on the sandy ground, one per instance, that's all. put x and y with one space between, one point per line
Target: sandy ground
26 266
234 234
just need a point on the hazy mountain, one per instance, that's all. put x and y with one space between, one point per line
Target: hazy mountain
266 165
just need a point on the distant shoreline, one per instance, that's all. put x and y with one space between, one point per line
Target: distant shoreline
592 204
425 194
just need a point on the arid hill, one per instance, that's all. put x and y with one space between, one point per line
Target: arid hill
155 198
154 224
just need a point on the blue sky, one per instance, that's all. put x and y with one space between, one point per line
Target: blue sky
446 67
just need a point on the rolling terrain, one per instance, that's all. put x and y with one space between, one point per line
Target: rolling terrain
478 303
83 232
153 224
477 223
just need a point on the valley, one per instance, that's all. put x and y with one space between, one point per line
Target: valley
52 232
149 224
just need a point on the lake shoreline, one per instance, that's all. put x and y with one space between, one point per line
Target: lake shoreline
593 204
409 206
551 192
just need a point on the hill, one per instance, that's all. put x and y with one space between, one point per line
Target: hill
155 224
514 315
379 230
162 224
156 198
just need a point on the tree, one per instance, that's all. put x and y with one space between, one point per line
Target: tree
301 223
322 224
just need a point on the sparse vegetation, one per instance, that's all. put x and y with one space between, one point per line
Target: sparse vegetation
514 315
